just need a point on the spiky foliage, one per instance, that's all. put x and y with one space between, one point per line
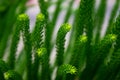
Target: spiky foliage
60 41
84 18
8 16
101 51
37 35
42 59
66 70
84 23
24 20
12 75
87 56
78 58
37 40
109 70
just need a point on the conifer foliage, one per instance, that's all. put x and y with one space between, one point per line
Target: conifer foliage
87 56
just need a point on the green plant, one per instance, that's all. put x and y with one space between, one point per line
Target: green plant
87 56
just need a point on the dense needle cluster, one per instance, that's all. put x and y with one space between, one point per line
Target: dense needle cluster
87 56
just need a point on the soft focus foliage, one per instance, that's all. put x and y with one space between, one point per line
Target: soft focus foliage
88 56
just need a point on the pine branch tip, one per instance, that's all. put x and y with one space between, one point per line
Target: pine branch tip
23 17
41 51
66 27
67 69
112 37
41 17
12 75
83 38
